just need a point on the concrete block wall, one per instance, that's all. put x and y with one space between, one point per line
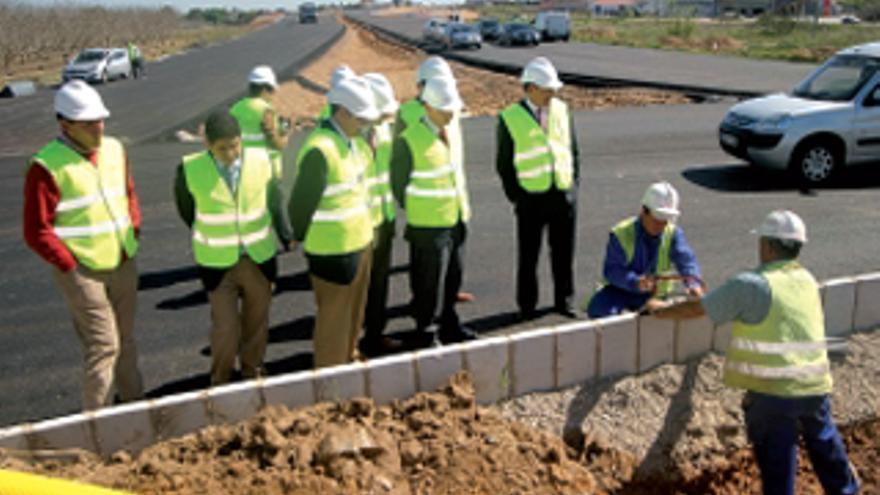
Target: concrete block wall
501 366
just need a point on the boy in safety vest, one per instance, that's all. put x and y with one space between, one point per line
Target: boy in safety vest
81 215
778 354
230 198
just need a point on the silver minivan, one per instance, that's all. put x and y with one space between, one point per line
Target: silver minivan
98 65
830 120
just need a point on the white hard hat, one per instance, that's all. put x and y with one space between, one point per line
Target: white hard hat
355 95
441 93
339 73
540 72
662 199
433 67
383 92
263 74
78 101
785 225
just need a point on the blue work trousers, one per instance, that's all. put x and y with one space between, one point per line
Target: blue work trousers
773 426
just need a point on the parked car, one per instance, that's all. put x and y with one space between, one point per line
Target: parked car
458 35
519 34
490 29
850 19
830 120
553 25
308 13
98 65
434 30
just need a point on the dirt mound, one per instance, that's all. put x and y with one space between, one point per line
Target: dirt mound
432 443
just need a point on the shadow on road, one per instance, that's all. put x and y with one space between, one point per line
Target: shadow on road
166 278
293 283
195 298
746 178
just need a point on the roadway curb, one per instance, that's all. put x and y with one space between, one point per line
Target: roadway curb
584 80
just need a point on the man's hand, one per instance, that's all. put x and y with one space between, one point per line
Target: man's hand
695 292
647 283
655 304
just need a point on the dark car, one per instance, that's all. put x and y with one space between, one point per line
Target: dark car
517 33
490 29
308 13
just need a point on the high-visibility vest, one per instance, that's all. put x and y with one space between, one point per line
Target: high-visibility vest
410 112
625 233
786 353
249 114
326 112
92 217
541 158
436 195
341 224
378 176
227 224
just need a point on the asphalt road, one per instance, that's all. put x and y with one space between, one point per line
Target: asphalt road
635 64
624 150
175 89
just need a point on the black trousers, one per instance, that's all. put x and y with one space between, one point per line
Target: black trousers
375 316
559 217
435 276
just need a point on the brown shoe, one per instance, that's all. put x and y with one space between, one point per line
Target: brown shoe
464 297
380 347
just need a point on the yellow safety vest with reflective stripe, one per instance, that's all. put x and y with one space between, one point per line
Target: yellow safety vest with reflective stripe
378 176
249 114
341 224
785 354
541 158
227 225
436 195
410 112
625 233
92 217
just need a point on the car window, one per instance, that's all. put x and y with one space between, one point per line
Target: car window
838 80
90 56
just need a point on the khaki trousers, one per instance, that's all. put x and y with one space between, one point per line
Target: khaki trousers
235 332
340 315
102 304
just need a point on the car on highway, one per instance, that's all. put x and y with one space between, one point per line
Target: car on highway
490 29
459 35
553 25
516 33
434 30
98 65
830 120
308 13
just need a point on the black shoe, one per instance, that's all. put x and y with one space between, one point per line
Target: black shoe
380 346
456 335
527 314
566 311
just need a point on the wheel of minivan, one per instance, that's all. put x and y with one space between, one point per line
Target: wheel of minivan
816 161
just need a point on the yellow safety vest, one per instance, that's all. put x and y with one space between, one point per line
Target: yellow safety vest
249 114
437 194
92 217
541 158
410 112
378 176
785 354
625 233
16 483
225 225
341 224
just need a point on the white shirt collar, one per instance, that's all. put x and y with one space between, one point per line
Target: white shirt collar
339 130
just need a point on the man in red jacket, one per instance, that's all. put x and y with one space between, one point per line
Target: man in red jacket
81 215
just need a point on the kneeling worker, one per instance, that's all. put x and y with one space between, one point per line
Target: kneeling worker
231 200
641 252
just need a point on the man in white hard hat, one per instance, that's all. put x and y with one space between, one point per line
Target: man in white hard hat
778 355
382 211
413 109
537 160
261 126
642 253
330 212
428 180
340 73
230 198
81 215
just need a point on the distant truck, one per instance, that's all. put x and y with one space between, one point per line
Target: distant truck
553 25
308 13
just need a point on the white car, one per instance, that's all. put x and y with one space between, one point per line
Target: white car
830 120
553 25
98 65
434 30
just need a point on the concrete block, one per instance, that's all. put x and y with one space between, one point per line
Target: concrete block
14 438
618 345
576 352
234 402
656 342
488 361
76 431
435 366
839 302
340 383
693 338
127 427
721 337
867 313
533 361
391 378
178 415
293 390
